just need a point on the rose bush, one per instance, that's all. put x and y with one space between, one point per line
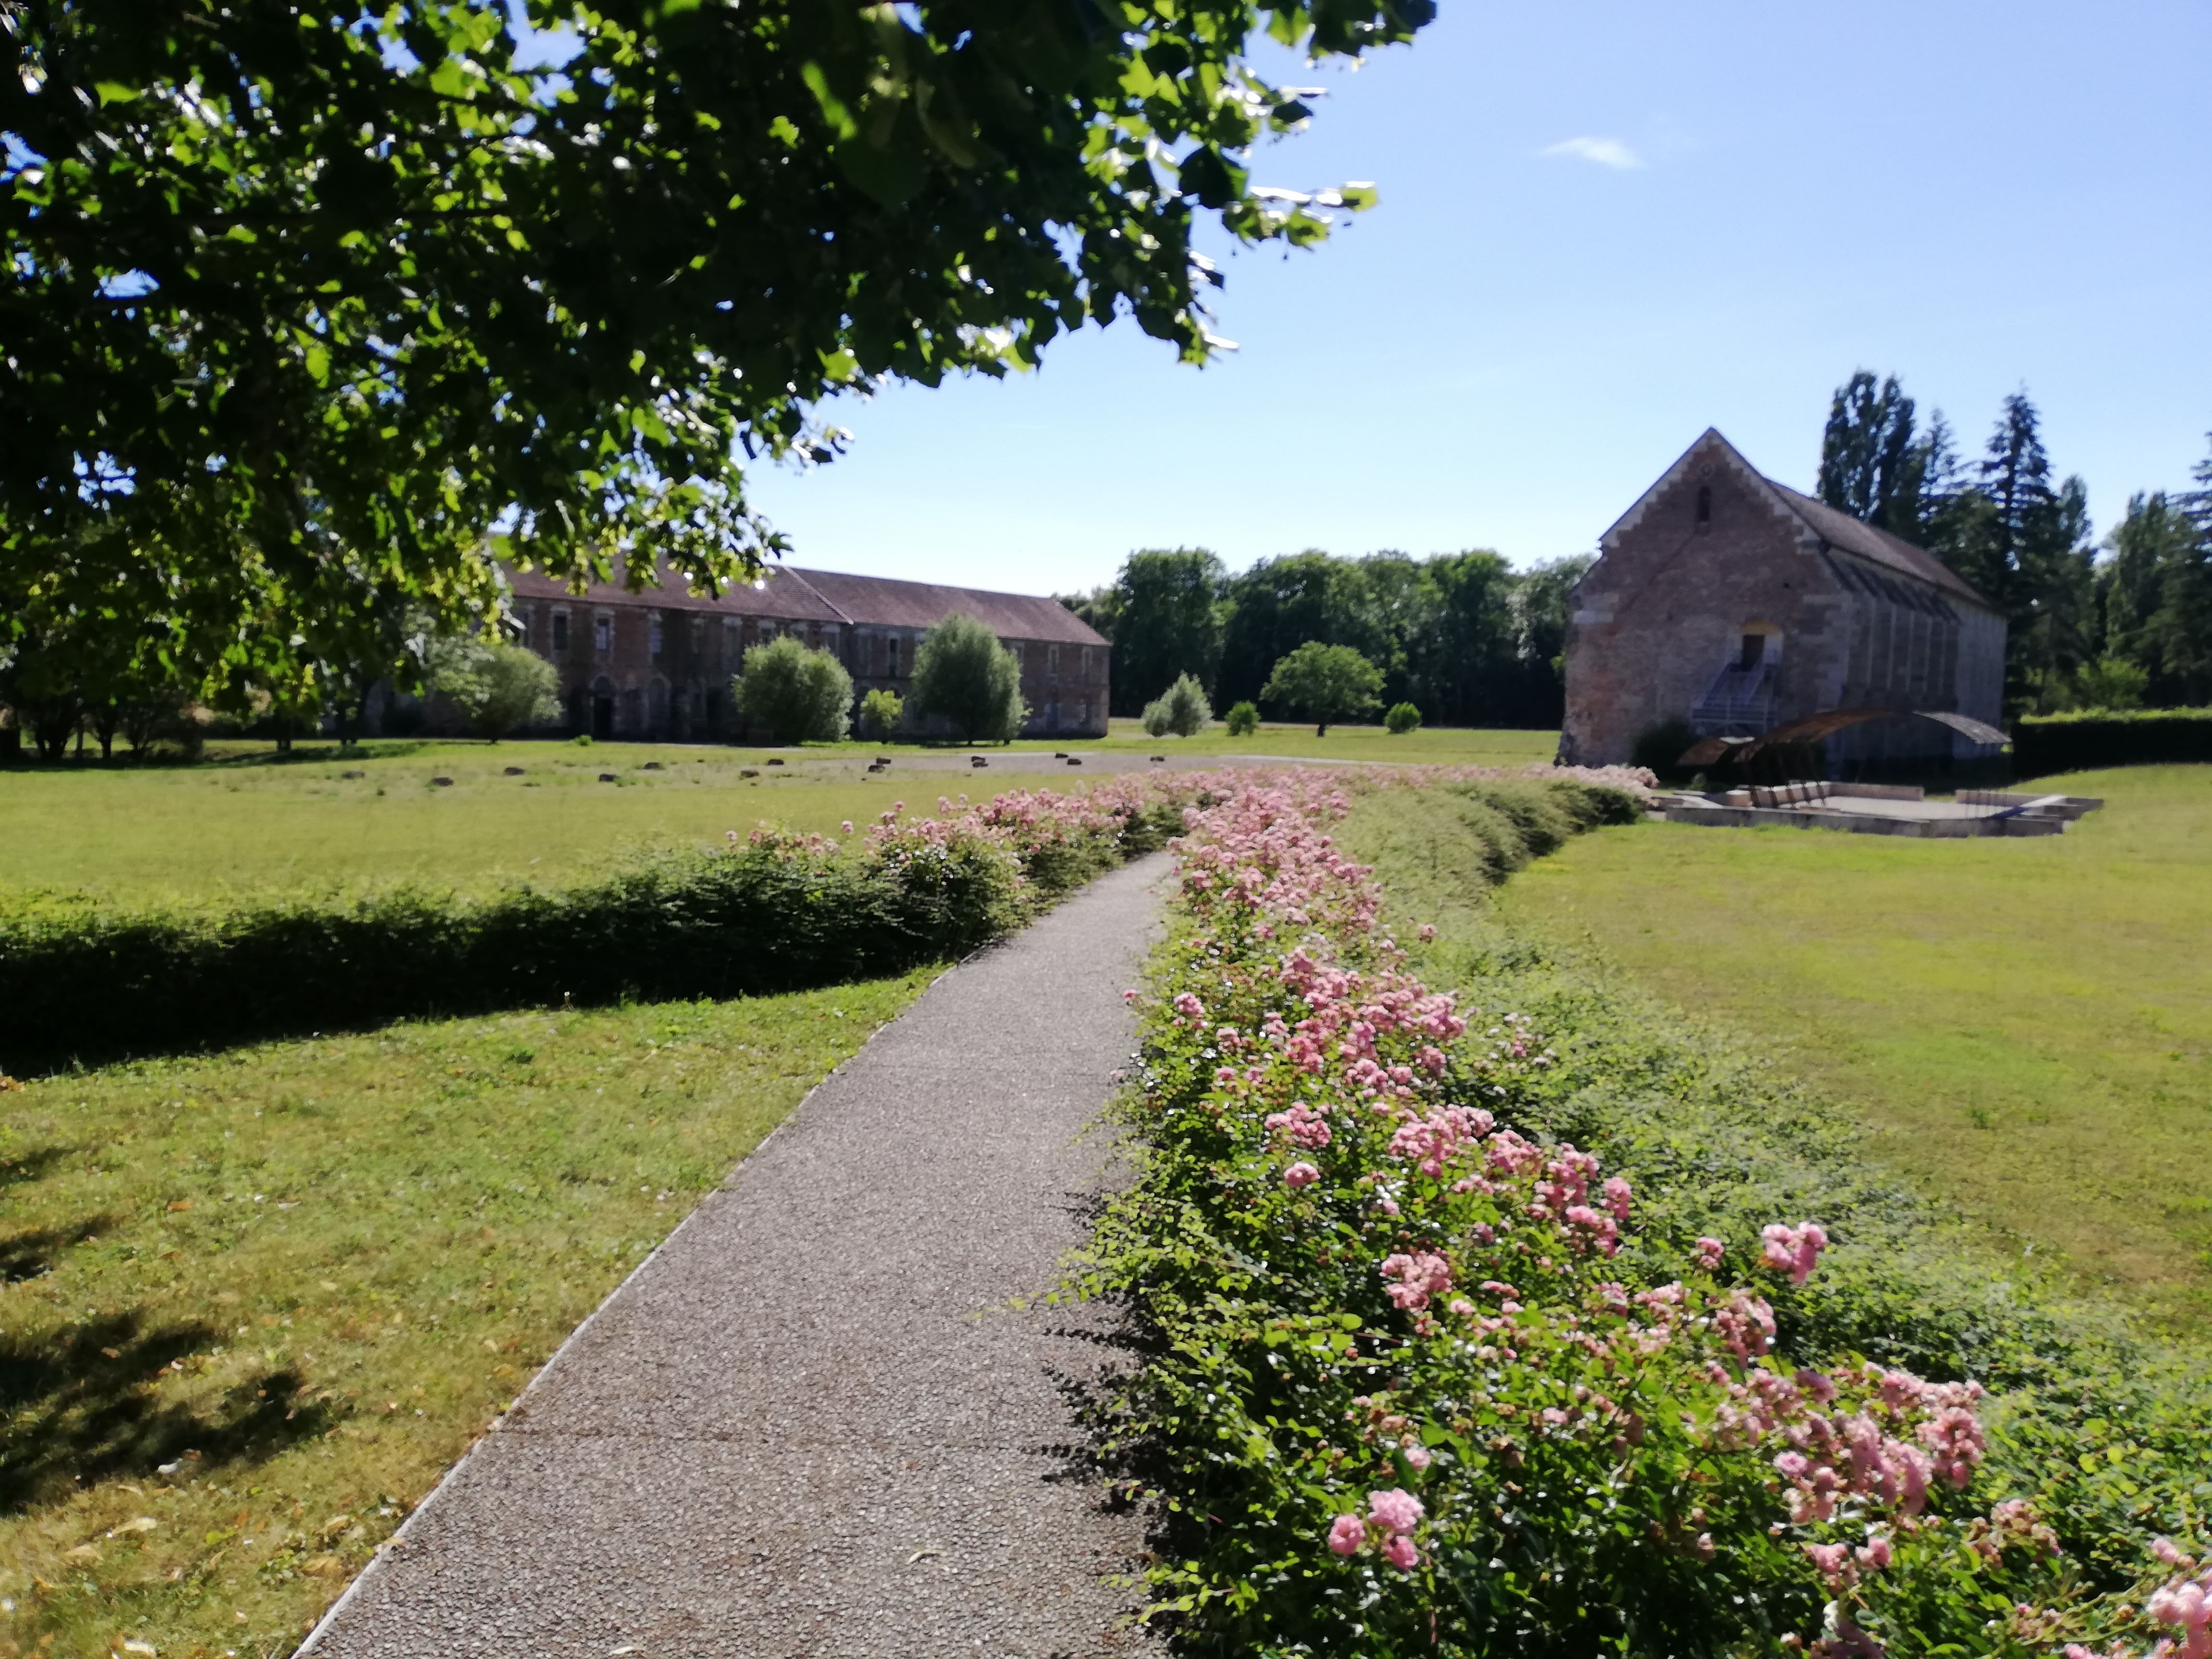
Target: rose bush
1412 1381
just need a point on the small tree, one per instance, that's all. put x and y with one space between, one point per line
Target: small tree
1182 709
497 685
801 696
881 714
963 675
1402 717
1244 719
2110 682
1325 682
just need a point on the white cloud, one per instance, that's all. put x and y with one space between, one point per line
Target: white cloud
1606 152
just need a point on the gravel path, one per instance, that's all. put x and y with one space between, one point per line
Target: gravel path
808 1425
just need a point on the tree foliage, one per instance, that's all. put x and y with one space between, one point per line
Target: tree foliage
881 714
1325 682
802 694
1182 710
963 677
1464 636
497 684
1875 465
302 302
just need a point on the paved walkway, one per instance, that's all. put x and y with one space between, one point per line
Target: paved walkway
807 1426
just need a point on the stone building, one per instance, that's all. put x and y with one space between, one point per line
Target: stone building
658 663
1733 603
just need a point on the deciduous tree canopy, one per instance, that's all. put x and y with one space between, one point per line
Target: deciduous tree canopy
303 300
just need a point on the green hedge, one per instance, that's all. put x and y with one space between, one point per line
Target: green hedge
2043 745
755 919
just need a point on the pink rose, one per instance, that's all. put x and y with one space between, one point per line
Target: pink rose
1348 1535
1399 1550
1395 1510
1301 1174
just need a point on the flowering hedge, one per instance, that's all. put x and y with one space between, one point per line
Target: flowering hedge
1412 1382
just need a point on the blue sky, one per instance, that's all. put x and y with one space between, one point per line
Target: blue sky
1604 227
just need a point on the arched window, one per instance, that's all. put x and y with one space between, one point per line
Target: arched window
1704 506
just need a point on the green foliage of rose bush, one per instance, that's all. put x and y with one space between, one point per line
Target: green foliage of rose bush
1419 1374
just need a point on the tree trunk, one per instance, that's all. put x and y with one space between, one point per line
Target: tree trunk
1322 731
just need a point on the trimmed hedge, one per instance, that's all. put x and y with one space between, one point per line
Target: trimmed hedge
2042 744
756 919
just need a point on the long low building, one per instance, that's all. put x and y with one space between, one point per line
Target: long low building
657 664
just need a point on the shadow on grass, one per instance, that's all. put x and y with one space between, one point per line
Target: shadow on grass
85 1406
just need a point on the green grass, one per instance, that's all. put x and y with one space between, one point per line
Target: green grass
245 825
309 1273
2025 1024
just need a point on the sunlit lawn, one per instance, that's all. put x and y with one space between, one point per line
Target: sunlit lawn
244 823
2027 1022
254 1305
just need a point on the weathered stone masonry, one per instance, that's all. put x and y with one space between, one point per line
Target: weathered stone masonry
1734 602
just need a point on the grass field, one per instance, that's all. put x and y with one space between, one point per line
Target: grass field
252 1306
245 823
2027 1023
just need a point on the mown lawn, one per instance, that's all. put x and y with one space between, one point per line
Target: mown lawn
2027 1023
252 1305
243 824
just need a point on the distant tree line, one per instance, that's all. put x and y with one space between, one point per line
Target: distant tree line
2122 623
1462 637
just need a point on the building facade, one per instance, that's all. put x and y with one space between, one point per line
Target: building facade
657 664
1726 600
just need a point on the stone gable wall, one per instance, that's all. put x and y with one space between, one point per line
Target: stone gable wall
1667 603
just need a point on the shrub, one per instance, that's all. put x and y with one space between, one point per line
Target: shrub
775 913
1420 1377
2110 685
1659 747
1182 709
802 696
964 677
1325 682
881 714
497 685
1402 717
2042 744
1244 719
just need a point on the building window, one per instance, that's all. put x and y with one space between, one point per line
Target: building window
1052 715
560 632
1704 506
1052 663
729 639
698 632
1083 710
890 655
654 637
603 634
1084 662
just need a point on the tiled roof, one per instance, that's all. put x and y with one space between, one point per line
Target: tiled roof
886 602
1839 529
779 594
787 593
